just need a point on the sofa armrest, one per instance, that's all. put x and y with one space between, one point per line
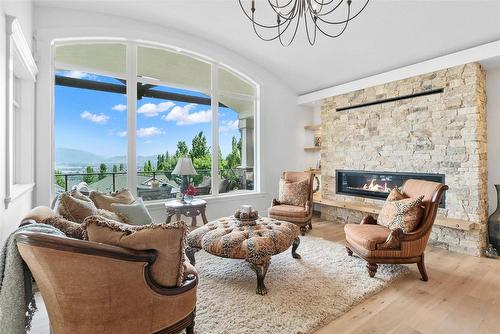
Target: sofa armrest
393 240
369 220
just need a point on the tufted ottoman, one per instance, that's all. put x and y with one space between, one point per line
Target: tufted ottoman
227 237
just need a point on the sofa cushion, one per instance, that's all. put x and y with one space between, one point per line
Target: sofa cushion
366 236
288 211
103 201
167 239
134 213
69 228
75 209
39 213
294 193
405 214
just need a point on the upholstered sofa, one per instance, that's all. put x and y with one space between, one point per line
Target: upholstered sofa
91 287
378 244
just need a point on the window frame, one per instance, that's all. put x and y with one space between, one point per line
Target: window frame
21 71
132 78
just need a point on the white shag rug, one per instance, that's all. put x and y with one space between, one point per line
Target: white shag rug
303 295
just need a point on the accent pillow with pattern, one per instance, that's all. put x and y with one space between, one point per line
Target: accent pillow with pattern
75 209
405 214
294 193
134 213
69 228
103 201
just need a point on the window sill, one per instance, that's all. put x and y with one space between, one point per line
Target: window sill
16 191
155 205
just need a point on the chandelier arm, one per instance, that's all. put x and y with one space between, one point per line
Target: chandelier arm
278 5
293 36
348 19
271 38
307 29
257 23
322 3
342 31
330 10
287 16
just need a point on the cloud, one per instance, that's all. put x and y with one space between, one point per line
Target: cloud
152 109
79 75
182 116
94 118
148 132
148 141
144 132
227 126
119 107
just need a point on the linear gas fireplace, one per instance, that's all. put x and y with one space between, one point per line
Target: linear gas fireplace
378 184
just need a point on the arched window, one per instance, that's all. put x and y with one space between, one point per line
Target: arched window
178 105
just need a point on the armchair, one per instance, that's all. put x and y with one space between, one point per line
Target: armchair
91 287
298 215
377 244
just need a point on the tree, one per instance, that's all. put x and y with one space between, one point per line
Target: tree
103 169
60 179
199 147
90 177
182 150
148 167
233 159
121 168
115 169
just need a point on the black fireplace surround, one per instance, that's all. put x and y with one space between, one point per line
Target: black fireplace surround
378 184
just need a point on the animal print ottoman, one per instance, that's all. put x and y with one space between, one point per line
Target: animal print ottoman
231 238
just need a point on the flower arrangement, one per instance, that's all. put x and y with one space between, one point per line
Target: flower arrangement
191 191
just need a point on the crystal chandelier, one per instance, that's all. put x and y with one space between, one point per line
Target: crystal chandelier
318 15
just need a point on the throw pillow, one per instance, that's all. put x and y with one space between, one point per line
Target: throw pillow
395 195
103 201
294 193
69 228
168 240
135 213
108 214
75 209
405 214
77 194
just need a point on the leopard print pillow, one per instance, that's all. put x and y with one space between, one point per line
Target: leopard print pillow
294 193
405 214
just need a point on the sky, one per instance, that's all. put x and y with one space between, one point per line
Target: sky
96 121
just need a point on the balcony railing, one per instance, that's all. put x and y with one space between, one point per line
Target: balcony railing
167 185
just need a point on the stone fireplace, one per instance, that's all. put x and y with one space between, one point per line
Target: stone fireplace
431 126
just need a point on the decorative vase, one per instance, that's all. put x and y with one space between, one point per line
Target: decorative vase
494 223
188 198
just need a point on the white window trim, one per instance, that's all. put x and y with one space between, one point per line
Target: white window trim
132 79
16 48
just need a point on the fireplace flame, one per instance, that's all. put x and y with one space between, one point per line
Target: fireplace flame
373 186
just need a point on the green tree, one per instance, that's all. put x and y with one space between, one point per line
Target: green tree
233 159
199 147
90 177
115 169
121 168
148 167
182 150
103 169
60 179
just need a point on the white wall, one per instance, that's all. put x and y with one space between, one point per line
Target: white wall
10 218
493 111
281 120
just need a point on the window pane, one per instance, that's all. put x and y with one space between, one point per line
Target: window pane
236 145
90 136
173 68
231 82
97 57
172 124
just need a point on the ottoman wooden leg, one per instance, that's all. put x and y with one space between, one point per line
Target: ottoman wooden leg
296 243
261 271
190 251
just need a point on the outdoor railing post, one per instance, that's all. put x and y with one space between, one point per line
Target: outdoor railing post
114 184
65 182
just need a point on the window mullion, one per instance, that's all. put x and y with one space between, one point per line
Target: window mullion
131 116
215 130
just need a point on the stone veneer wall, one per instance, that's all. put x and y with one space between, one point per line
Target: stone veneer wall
439 133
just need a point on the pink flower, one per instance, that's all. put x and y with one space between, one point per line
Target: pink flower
191 190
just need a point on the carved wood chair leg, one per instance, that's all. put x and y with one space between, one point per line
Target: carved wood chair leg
296 243
303 230
421 268
310 225
372 269
190 251
349 251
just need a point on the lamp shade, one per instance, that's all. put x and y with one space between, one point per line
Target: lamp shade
184 167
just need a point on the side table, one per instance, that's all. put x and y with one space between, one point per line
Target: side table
193 209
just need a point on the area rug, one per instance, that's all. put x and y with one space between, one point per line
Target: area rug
302 294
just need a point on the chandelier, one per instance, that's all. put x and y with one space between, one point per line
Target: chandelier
329 17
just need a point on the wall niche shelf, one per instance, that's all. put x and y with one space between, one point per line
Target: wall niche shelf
312 149
312 127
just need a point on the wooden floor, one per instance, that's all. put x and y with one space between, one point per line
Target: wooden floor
461 296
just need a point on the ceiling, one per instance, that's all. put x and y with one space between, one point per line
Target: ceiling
387 35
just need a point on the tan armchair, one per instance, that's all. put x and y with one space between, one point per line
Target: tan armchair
377 244
90 287
298 215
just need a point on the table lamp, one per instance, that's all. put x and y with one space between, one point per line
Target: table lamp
184 168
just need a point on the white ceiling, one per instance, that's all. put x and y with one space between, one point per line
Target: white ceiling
389 34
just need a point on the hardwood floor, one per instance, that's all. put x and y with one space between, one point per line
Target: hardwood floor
461 296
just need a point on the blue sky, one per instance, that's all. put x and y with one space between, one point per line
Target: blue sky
97 121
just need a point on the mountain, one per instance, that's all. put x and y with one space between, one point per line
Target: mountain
81 158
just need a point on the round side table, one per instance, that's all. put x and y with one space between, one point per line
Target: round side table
195 208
